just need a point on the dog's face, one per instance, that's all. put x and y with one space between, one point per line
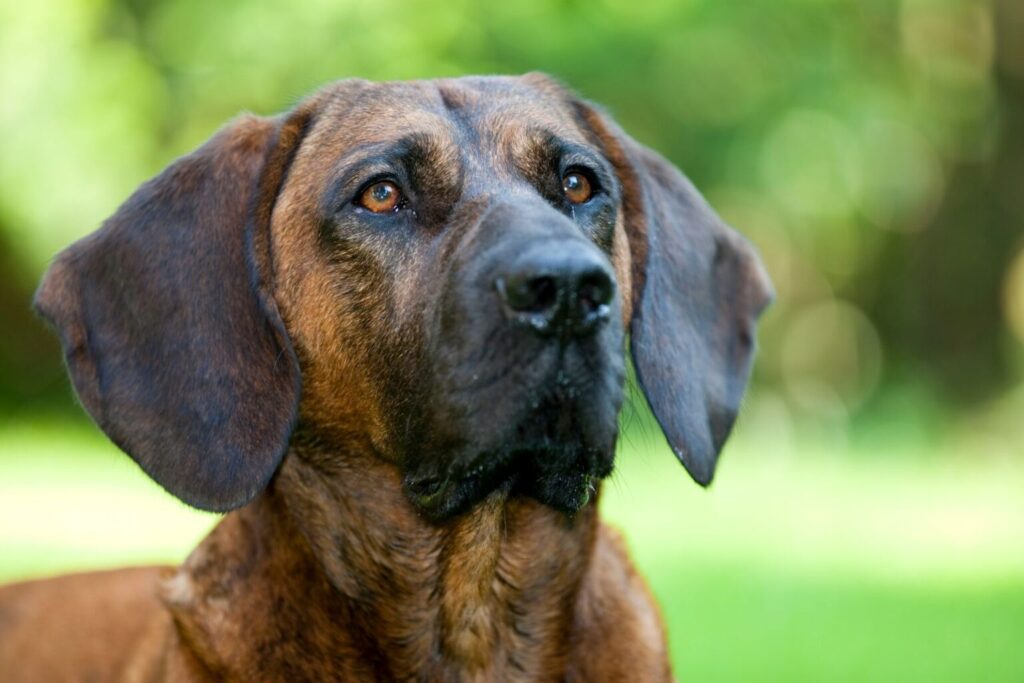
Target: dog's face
447 270
443 260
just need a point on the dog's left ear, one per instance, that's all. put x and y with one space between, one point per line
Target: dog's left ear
698 290
172 340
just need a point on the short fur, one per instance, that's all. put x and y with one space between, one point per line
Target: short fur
412 477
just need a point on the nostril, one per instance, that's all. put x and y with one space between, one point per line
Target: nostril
557 291
529 294
542 294
594 291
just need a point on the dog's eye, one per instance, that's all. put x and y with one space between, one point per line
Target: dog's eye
577 187
380 197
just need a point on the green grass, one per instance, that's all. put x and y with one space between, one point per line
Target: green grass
809 564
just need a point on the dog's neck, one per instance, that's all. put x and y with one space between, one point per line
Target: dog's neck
357 585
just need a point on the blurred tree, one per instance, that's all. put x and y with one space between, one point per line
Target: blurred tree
938 301
30 369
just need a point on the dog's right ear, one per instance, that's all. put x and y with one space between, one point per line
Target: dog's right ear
171 338
698 290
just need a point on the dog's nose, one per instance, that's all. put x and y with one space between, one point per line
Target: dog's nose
559 291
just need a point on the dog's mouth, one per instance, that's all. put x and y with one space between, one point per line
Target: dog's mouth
567 491
548 457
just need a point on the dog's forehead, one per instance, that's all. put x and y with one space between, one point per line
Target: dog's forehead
465 111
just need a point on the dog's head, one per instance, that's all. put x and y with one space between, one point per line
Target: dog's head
439 272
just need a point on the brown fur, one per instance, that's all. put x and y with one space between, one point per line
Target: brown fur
330 572
277 592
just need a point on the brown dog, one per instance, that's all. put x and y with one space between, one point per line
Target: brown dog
449 268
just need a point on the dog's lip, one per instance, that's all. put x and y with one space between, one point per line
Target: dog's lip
431 491
428 491
435 495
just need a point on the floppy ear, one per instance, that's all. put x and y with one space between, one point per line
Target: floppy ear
172 342
698 289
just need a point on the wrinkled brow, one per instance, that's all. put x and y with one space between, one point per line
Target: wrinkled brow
406 156
546 151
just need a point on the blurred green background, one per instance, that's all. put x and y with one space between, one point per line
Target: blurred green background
867 522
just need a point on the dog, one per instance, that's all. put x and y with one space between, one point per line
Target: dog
385 332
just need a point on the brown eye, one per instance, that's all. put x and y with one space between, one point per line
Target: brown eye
381 197
576 187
